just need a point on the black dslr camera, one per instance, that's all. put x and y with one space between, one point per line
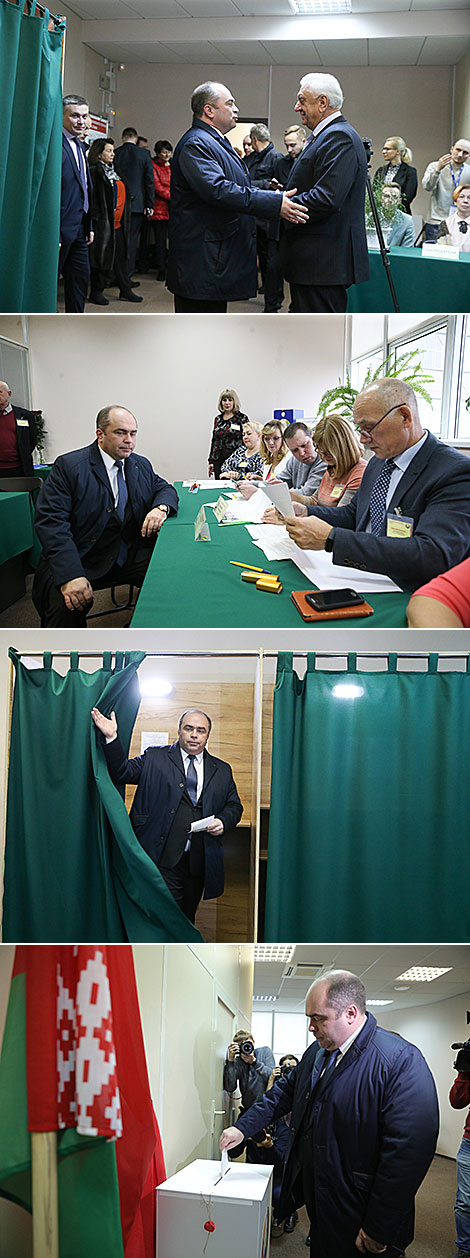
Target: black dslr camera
246 1047
285 1071
462 1060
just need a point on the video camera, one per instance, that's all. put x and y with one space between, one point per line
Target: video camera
462 1060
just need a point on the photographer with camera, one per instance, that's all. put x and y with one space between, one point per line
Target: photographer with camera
249 1069
459 1097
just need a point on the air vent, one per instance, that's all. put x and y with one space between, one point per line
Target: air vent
303 969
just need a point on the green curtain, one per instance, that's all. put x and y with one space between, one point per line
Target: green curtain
74 870
369 819
30 158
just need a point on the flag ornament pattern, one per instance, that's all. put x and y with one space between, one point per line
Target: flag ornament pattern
87 1085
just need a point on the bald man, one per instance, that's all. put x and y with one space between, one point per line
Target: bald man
363 1128
18 436
98 516
410 517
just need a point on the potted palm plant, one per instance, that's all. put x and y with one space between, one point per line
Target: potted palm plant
407 367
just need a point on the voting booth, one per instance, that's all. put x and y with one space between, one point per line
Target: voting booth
203 1214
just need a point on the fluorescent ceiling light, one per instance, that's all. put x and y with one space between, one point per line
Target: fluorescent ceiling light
273 952
304 7
264 997
422 974
379 1002
347 690
155 687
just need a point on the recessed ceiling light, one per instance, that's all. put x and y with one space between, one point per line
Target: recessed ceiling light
155 687
273 952
422 974
264 997
304 7
379 1002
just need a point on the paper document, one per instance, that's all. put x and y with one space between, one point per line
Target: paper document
317 565
279 495
245 510
224 1163
202 824
209 484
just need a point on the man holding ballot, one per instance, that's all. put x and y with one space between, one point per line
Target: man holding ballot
185 802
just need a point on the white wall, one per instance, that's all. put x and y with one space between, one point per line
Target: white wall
169 371
82 67
462 98
434 1028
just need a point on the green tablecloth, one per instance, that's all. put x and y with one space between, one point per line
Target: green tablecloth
422 284
16 525
192 583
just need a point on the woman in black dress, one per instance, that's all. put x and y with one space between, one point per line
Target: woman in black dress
227 432
397 169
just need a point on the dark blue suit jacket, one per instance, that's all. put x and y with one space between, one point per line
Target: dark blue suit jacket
330 176
435 492
161 781
135 166
373 1135
71 200
75 502
212 234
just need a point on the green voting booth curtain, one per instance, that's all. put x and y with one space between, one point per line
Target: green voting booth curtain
74 870
30 158
369 821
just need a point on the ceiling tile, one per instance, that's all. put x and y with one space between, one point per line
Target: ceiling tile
244 52
292 52
395 52
342 52
442 51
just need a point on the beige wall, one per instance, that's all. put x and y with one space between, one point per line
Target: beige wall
82 67
179 988
379 101
462 99
170 371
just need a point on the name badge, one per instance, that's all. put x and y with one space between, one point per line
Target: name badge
22 423
399 526
234 427
337 491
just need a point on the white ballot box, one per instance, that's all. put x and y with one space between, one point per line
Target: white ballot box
238 1205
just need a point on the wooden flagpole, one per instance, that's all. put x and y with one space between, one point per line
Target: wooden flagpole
45 1194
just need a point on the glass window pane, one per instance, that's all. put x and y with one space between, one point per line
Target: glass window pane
360 366
290 1034
262 1026
463 411
431 346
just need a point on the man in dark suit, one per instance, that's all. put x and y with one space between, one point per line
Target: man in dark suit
135 166
212 235
178 786
363 1127
410 517
98 516
17 436
330 176
262 166
75 206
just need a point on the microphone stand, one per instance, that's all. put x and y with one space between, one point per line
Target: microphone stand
378 227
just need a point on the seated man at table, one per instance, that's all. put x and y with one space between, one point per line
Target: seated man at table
305 468
18 436
98 516
410 518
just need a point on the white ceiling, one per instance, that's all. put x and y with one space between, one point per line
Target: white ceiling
377 965
264 32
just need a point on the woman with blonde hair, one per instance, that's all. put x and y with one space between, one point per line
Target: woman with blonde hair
274 453
227 432
246 459
397 168
338 445
455 230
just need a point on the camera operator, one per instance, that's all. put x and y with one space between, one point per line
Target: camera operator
249 1069
459 1097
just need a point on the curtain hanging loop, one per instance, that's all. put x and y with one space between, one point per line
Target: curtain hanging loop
433 661
392 662
352 662
47 660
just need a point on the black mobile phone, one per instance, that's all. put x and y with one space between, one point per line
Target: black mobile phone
330 600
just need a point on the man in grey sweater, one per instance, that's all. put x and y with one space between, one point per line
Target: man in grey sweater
305 468
441 178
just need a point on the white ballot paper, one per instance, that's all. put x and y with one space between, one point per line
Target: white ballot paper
224 1163
202 824
247 510
209 484
279 495
317 565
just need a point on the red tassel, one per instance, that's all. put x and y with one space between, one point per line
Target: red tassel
209 1226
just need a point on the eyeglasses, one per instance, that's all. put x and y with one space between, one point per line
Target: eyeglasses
366 432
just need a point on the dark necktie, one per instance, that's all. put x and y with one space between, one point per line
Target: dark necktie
463 227
191 780
328 1063
82 172
378 497
121 509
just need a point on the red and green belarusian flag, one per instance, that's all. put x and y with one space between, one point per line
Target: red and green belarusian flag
73 1061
